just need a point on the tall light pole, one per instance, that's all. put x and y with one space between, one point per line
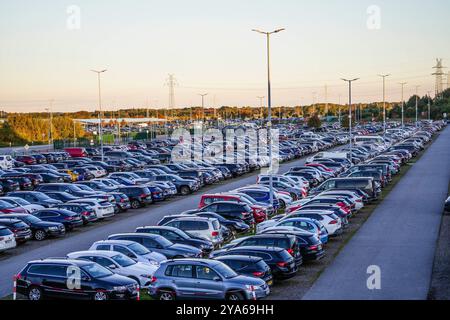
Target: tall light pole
100 110
261 106
350 113
269 106
417 105
429 106
50 119
203 95
384 100
403 102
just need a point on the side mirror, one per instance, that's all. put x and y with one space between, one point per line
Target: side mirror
217 279
112 266
85 278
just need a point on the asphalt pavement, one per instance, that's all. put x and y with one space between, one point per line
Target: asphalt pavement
399 238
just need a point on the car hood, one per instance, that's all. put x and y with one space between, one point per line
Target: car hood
142 268
155 256
117 280
45 224
185 248
244 280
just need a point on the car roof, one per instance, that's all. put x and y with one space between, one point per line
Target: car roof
146 235
61 261
257 248
108 253
114 241
252 259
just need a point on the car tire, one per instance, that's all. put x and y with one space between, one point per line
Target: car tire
235 296
35 294
282 204
185 190
100 296
167 295
135 204
40 235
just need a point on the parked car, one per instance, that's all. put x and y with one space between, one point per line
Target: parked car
69 219
207 279
21 230
7 239
248 266
40 229
35 197
41 279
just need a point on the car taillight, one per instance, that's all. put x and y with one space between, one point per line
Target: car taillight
144 195
153 279
85 213
291 252
258 273
282 264
68 218
122 200
215 233
313 247
333 222
341 204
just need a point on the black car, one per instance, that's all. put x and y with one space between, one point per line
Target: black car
184 186
9 185
310 245
61 196
65 187
87 213
50 278
21 230
139 196
70 219
232 211
287 242
23 182
160 245
97 185
48 177
35 197
179 236
248 266
108 167
122 201
39 158
39 228
281 263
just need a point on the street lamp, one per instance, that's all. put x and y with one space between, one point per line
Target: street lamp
417 105
50 118
350 112
403 102
384 100
100 133
269 106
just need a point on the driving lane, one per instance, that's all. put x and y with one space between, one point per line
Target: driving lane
399 237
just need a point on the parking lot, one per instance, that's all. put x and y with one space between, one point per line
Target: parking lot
302 204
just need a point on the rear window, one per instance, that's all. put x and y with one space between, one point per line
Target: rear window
284 255
50 270
194 225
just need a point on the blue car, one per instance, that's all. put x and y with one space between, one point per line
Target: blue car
260 196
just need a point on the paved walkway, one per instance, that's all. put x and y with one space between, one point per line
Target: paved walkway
399 237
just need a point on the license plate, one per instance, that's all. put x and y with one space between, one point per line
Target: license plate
270 282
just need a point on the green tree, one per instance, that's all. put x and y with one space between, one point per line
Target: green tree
314 122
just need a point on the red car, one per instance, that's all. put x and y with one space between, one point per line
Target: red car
26 159
259 212
76 152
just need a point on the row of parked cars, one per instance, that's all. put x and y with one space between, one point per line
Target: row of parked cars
235 245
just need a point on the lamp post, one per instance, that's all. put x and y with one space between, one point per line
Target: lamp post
429 106
261 106
417 105
350 113
403 102
269 106
50 119
100 129
203 95
384 100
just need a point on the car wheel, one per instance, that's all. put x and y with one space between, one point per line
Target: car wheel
185 190
40 235
35 294
282 204
235 296
100 296
167 295
135 204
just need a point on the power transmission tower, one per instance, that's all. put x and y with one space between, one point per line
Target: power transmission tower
439 79
171 82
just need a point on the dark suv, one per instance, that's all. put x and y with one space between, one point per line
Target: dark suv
73 279
139 196
279 260
232 211
248 266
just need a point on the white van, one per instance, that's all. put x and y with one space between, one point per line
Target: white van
6 162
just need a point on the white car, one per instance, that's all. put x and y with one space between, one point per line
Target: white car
19 202
207 228
354 198
120 264
131 249
331 222
98 172
7 239
103 209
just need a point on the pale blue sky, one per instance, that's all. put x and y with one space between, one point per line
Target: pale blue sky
209 47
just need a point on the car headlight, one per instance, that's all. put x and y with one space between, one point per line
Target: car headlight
53 228
120 288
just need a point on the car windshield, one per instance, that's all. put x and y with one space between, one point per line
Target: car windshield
138 249
21 202
123 260
96 270
164 242
5 205
41 196
225 271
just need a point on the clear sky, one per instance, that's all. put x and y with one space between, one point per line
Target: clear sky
209 47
